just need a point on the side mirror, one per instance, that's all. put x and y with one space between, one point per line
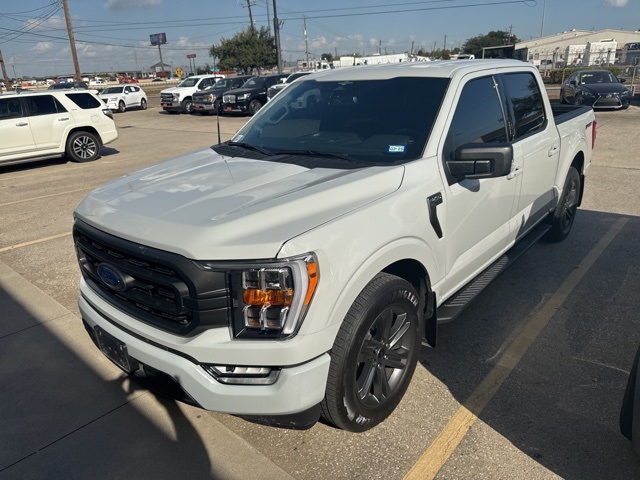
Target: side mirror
573 82
622 80
481 160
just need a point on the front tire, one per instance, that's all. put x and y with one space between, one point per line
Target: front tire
143 104
374 355
254 106
186 106
83 146
121 106
565 213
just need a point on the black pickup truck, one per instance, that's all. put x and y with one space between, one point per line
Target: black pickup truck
210 100
251 97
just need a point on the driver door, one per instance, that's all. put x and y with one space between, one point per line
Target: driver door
478 210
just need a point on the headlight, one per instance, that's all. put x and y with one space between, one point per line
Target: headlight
176 96
208 98
243 96
271 298
625 92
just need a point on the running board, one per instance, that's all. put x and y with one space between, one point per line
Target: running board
450 309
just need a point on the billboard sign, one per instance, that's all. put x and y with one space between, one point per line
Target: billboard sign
191 55
158 38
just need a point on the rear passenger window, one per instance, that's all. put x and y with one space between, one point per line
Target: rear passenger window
10 108
85 100
526 102
478 117
43 105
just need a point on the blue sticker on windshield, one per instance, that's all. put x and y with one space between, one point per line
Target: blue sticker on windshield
396 149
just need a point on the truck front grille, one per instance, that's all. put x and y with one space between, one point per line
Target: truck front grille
154 286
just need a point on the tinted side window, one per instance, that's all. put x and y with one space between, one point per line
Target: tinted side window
84 100
41 105
10 108
478 117
526 101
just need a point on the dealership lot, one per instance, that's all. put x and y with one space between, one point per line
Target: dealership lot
565 315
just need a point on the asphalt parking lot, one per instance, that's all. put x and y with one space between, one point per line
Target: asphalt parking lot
525 384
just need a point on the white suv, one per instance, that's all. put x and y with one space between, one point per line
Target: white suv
121 97
48 124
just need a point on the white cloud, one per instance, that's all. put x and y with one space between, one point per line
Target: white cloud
616 3
127 4
53 22
43 47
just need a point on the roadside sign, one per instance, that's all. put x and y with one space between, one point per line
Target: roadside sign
178 72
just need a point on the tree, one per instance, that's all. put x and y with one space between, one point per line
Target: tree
492 39
327 56
251 49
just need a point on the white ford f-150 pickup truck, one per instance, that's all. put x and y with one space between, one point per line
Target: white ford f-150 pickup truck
293 272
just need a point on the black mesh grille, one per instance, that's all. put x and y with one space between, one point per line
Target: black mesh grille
160 288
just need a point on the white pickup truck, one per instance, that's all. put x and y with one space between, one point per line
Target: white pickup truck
293 272
179 99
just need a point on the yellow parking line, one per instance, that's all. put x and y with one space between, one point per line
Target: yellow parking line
45 196
33 242
434 458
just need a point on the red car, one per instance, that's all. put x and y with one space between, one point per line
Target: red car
127 80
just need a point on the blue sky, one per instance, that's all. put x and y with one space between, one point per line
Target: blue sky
113 35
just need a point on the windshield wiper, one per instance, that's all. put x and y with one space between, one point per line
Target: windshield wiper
315 153
248 146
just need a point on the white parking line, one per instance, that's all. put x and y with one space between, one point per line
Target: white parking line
443 447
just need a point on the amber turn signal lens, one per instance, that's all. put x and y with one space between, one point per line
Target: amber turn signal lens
257 298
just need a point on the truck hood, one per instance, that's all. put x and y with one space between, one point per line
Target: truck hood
208 206
174 90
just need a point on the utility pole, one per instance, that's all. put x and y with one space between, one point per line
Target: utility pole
306 39
544 7
276 29
71 40
268 18
249 4
7 83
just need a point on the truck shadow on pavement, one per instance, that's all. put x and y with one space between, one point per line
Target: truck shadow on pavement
560 404
60 418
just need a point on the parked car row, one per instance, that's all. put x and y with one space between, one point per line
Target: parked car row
206 94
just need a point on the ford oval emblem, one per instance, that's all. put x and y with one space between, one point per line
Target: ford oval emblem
111 277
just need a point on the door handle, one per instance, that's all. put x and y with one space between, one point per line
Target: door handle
515 173
553 150
63 119
21 124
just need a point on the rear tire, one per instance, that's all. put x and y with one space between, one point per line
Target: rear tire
565 213
374 355
83 146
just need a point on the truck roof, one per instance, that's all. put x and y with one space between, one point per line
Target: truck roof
438 68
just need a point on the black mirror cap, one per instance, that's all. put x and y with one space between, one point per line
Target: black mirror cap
481 160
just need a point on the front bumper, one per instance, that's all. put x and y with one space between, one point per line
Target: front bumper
235 108
298 388
203 106
610 101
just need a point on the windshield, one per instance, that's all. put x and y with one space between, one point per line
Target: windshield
222 83
373 121
112 90
189 82
588 78
254 82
